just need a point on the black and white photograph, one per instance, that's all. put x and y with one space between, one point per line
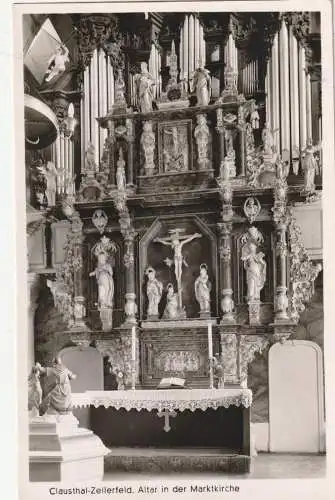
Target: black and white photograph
173 275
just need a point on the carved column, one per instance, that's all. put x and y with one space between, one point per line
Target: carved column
281 300
128 233
131 140
280 219
220 131
227 303
130 305
111 157
79 309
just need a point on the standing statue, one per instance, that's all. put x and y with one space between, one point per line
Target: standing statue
148 145
90 165
145 89
268 140
202 287
309 165
57 388
104 276
201 134
154 293
255 267
57 62
171 310
50 174
254 116
34 391
120 172
201 85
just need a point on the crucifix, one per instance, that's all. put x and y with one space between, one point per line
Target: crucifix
167 414
176 242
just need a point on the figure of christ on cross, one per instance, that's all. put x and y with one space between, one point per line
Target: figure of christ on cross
176 242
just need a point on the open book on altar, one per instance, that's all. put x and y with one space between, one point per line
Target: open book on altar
166 383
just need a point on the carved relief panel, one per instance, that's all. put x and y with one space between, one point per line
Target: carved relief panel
175 146
175 353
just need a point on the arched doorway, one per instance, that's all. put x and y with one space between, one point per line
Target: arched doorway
296 403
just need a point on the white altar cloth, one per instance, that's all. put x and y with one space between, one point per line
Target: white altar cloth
164 399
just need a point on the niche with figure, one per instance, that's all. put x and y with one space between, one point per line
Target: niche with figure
181 266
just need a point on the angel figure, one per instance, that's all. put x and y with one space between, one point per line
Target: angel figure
201 85
57 63
50 174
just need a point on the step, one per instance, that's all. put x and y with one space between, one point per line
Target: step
176 460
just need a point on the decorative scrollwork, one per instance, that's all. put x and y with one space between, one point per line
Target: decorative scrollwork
302 271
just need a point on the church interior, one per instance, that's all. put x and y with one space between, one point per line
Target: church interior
174 230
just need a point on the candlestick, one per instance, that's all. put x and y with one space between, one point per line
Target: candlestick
133 343
210 341
210 356
133 357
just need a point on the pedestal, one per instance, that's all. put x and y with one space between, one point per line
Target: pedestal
59 450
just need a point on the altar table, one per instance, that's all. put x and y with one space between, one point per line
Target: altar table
216 422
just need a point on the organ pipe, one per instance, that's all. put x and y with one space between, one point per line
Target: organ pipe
275 92
284 89
294 92
302 100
